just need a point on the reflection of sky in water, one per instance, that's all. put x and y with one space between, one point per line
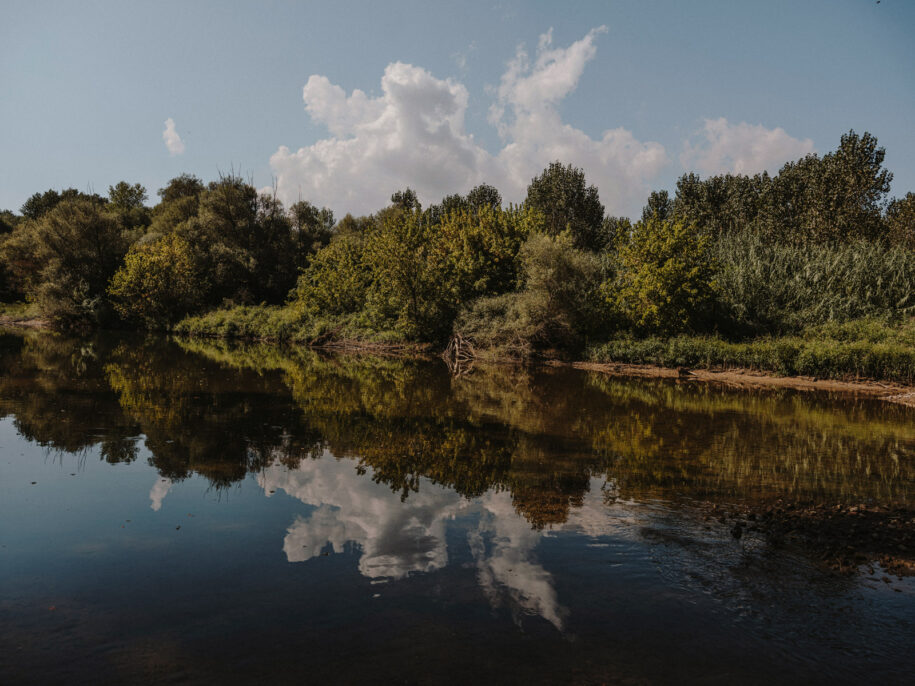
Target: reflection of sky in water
396 538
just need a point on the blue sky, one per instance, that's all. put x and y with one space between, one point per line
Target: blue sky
445 99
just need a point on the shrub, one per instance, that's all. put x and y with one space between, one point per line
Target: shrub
557 305
64 259
665 280
159 283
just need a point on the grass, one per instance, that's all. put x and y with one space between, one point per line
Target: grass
282 324
868 349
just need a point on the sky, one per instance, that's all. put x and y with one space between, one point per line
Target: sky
341 103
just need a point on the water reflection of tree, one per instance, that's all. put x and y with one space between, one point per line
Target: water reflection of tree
59 397
223 411
695 440
198 419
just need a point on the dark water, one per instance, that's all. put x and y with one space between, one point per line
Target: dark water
200 513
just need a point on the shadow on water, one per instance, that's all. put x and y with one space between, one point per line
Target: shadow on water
395 460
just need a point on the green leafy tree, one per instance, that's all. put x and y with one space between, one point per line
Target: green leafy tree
76 248
480 197
40 204
129 203
900 221
312 227
182 186
406 200
159 283
566 202
839 197
665 279
659 206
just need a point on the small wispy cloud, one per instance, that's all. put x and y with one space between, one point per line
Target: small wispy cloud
172 140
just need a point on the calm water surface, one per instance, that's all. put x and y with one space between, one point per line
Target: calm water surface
200 513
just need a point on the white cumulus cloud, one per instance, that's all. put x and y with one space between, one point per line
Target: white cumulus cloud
172 140
722 147
413 134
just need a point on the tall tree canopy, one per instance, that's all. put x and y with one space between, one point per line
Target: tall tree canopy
566 202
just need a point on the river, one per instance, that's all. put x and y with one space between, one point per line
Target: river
200 512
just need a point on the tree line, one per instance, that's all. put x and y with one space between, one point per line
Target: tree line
734 255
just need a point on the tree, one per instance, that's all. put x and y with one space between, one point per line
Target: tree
665 276
183 186
900 221
406 200
40 204
312 227
483 196
77 247
561 195
556 306
123 196
8 222
159 283
128 202
659 206
479 197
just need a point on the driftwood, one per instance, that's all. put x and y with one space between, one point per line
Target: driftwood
459 355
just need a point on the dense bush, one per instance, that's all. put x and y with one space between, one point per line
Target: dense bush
159 282
666 274
556 306
407 274
64 258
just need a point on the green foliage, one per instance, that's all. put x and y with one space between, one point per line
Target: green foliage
835 198
665 281
860 349
337 281
254 322
556 306
158 283
406 200
480 197
765 286
182 186
128 202
312 227
8 222
245 244
659 206
403 273
8 290
567 203
900 220
40 204
74 249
